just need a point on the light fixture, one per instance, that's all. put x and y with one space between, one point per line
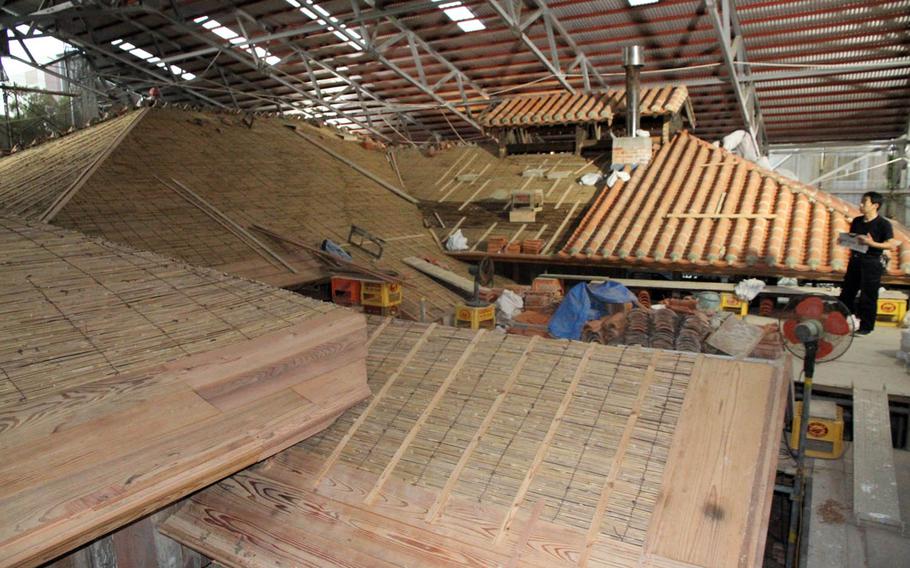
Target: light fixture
634 3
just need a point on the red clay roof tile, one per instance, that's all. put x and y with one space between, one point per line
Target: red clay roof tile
697 205
565 108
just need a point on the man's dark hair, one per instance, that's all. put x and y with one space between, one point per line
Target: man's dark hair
874 197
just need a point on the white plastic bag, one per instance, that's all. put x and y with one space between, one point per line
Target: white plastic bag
748 289
457 241
591 178
509 304
616 176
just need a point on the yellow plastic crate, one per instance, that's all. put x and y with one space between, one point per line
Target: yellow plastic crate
825 434
380 294
474 317
730 303
890 312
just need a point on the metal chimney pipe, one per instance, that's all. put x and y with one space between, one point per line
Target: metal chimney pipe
633 59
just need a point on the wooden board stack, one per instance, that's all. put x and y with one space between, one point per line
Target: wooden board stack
128 381
484 449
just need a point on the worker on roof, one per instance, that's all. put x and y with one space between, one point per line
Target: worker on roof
153 97
865 269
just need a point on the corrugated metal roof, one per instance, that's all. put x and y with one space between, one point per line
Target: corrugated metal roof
788 42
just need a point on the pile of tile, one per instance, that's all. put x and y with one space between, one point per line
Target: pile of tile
638 327
664 324
681 306
695 328
607 330
496 244
531 246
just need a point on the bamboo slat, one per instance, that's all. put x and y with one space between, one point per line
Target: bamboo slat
130 380
565 443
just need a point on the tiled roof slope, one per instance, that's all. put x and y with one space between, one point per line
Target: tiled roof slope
32 179
748 219
263 175
567 108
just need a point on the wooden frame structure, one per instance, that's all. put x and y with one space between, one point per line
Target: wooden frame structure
128 380
487 450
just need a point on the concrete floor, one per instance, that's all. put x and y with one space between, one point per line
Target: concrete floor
870 363
835 540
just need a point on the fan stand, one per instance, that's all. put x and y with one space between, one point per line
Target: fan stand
799 486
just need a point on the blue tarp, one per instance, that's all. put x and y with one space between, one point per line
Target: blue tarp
586 302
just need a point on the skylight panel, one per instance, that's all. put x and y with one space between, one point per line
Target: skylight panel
224 33
324 18
144 55
141 53
459 13
235 39
471 25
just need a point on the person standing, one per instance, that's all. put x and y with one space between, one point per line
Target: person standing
865 269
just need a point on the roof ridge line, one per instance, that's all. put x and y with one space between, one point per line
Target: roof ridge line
71 191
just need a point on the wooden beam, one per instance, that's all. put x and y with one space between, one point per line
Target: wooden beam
544 446
517 233
336 453
363 171
378 331
703 517
473 195
228 223
452 167
559 229
456 227
466 285
616 465
484 235
443 497
415 429
322 255
77 184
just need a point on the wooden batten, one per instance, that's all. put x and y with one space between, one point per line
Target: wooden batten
493 450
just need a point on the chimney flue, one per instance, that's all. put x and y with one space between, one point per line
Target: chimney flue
633 59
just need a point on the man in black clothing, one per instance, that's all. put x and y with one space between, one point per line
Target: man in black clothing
865 269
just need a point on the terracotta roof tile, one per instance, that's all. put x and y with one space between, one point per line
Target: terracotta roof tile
566 108
696 205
